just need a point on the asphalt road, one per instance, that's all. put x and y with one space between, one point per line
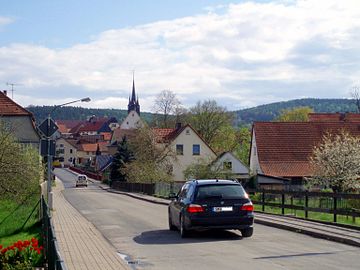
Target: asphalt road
139 231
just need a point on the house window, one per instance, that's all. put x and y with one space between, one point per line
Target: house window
71 151
196 149
227 165
187 132
180 149
61 145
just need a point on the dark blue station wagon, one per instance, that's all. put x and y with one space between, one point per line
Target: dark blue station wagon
211 204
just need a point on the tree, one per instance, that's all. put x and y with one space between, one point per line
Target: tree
355 93
208 118
336 162
20 167
242 149
205 170
152 160
298 114
166 104
121 158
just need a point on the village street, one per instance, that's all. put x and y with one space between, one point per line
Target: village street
139 230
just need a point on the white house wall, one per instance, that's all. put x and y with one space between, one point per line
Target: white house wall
132 121
187 138
67 149
254 158
237 166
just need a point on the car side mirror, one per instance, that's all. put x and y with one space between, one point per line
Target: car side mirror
173 196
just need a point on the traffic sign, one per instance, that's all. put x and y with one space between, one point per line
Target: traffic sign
44 147
48 127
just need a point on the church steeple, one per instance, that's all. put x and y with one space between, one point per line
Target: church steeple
133 102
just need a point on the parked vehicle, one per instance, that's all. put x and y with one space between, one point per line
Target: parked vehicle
211 204
81 180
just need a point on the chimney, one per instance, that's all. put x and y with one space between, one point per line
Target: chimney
178 125
5 92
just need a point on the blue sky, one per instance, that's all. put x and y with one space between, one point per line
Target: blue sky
240 53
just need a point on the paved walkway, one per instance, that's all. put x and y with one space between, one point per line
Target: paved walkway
82 246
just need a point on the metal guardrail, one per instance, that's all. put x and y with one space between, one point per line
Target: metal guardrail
52 255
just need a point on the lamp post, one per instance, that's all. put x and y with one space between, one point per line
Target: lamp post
49 156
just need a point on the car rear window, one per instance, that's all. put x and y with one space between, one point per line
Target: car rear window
81 178
220 191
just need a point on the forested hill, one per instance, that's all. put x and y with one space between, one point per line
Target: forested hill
79 113
270 111
246 116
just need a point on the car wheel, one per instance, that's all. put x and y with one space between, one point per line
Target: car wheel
248 232
172 227
183 231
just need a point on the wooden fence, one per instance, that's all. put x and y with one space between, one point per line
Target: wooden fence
330 203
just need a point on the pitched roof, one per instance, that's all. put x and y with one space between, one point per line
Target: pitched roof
8 107
66 125
92 147
165 134
284 148
119 133
91 126
334 117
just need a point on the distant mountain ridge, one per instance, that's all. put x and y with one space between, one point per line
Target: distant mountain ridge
267 112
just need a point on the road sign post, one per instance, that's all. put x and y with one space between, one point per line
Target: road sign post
48 128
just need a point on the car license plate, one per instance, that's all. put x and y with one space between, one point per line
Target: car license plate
223 209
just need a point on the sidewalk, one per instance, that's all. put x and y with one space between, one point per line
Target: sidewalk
81 245
320 230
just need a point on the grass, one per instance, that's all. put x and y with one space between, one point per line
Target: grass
16 222
311 215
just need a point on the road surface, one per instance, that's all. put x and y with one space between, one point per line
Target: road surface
139 231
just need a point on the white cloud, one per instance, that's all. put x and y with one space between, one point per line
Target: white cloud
240 53
5 21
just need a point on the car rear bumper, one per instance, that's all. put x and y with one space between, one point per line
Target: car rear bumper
198 223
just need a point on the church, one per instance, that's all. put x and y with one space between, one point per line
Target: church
133 120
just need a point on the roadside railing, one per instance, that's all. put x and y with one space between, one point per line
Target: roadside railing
334 204
145 188
52 255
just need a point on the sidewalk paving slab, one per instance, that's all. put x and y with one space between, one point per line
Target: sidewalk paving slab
81 245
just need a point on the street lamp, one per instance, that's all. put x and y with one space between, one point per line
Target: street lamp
49 156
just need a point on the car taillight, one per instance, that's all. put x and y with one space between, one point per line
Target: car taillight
247 207
195 208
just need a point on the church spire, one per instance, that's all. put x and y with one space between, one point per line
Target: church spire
133 90
134 102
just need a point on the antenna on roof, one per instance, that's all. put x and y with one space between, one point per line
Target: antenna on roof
12 88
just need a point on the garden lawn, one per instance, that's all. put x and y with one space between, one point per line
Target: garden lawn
311 215
13 220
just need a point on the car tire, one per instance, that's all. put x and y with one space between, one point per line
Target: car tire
172 227
248 232
183 231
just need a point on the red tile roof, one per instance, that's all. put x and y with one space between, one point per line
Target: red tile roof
165 134
119 133
284 148
66 125
346 117
10 108
91 126
92 147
